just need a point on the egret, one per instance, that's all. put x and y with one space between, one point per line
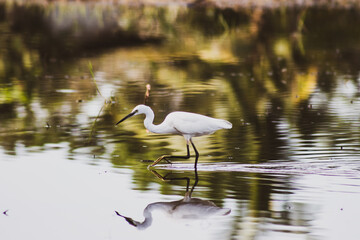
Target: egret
187 124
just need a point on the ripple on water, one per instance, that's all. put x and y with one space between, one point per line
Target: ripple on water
349 169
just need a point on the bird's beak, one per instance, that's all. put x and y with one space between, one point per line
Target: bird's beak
128 116
129 220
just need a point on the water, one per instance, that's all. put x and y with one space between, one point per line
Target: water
287 78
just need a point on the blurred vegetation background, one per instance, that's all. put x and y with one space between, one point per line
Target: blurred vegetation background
285 74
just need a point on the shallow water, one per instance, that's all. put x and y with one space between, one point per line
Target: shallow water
287 79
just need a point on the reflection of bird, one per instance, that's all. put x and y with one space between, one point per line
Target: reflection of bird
182 123
187 208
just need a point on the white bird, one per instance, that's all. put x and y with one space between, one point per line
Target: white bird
181 123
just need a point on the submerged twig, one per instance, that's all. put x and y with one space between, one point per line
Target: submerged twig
106 102
94 123
93 78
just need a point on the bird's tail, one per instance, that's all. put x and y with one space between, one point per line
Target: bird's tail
226 124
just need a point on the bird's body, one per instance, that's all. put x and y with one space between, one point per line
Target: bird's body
186 124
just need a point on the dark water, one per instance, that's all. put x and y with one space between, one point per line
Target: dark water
287 79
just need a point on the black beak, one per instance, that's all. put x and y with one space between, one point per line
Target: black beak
129 220
128 116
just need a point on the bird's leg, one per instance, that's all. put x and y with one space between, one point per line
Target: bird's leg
165 157
185 157
196 154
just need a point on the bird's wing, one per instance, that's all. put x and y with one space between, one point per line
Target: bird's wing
194 124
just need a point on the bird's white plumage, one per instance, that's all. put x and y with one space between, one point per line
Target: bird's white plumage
194 125
183 123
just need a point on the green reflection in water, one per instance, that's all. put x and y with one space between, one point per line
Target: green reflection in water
286 78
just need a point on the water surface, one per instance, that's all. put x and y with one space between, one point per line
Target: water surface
287 78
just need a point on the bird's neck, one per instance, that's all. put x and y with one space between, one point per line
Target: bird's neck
146 223
148 123
148 214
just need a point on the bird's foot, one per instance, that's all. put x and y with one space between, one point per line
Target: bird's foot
159 159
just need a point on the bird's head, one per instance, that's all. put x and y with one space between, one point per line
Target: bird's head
139 109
